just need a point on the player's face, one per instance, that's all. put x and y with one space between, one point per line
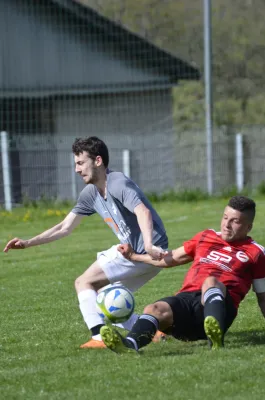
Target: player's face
235 225
86 167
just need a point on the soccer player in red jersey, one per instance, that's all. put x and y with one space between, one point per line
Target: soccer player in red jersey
224 266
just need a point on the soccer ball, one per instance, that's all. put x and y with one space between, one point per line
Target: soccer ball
115 303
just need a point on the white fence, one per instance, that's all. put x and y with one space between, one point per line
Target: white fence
33 167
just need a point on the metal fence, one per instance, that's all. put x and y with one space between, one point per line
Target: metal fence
236 163
68 72
41 166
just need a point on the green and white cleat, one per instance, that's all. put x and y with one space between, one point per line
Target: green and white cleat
213 332
115 341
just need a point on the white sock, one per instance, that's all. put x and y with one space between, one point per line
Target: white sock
129 323
97 337
87 305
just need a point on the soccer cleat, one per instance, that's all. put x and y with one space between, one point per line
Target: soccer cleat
93 344
159 337
213 332
115 341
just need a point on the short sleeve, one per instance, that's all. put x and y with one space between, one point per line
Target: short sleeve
85 202
127 192
259 275
191 245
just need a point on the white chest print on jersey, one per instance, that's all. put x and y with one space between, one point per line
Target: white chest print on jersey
124 229
241 256
114 209
217 258
216 255
228 248
222 260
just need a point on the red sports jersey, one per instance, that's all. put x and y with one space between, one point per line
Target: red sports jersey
235 264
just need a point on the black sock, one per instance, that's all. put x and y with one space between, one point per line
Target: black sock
142 332
214 305
96 329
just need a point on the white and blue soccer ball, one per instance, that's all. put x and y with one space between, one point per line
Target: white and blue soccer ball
115 303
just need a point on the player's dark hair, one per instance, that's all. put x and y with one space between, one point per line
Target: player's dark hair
244 205
93 146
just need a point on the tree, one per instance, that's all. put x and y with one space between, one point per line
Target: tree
238 36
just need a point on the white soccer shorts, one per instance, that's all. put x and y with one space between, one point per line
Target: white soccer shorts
131 274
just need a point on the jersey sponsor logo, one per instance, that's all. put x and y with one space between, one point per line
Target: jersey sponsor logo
124 229
241 256
218 256
111 224
216 298
217 263
228 248
121 230
114 209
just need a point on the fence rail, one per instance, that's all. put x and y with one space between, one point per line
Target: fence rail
66 71
41 166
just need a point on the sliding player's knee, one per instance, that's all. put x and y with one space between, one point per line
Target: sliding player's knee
151 309
161 311
212 282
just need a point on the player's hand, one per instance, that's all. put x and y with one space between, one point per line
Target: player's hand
126 250
15 244
156 252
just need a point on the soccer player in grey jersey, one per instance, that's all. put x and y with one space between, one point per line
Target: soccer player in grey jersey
123 206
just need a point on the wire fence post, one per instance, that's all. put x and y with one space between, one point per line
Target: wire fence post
208 92
126 163
73 177
6 171
239 162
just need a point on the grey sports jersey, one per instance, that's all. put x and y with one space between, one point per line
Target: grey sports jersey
123 195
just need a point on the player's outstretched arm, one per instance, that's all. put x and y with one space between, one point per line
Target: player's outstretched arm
58 231
171 259
261 302
15 244
144 218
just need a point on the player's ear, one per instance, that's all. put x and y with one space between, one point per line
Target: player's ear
250 227
98 161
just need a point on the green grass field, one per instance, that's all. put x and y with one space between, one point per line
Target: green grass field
41 327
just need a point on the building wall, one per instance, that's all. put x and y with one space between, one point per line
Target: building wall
29 124
140 122
46 49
